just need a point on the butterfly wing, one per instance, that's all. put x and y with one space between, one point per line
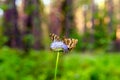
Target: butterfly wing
71 43
54 37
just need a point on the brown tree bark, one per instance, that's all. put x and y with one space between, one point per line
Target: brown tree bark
10 24
93 10
109 7
67 11
61 17
33 22
55 25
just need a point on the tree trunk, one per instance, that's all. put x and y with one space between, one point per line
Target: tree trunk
92 20
56 17
67 11
10 23
33 22
109 4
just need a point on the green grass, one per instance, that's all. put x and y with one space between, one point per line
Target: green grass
40 65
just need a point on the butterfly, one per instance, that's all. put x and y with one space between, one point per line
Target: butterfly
70 43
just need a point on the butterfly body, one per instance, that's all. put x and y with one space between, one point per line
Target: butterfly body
67 44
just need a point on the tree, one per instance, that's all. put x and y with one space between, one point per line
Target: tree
33 22
68 21
109 8
62 17
56 17
10 24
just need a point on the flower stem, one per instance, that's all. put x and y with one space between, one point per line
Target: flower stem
56 65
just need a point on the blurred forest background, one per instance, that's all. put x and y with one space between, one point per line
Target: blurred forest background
24 39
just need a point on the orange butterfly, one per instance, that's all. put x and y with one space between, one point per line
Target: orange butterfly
69 42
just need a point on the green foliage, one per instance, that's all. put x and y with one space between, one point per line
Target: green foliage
3 40
90 67
39 65
28 39
4 7
16 65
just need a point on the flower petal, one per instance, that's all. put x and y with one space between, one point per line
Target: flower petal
58 46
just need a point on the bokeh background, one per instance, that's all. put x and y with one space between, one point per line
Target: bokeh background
25 26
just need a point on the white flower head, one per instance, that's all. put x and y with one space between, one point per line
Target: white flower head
59 46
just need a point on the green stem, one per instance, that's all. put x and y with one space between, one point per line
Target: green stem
56 65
